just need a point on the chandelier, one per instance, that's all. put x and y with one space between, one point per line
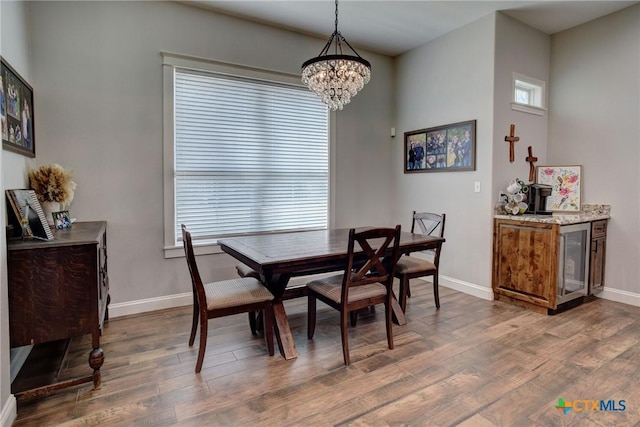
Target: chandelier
336 77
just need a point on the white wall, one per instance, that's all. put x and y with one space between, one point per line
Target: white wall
523 50
451 80
595 121
14 48
98 71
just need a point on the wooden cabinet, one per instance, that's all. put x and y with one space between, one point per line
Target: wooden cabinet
58 289
525 263
546 266
597 259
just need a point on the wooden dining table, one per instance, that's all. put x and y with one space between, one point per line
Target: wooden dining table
280 256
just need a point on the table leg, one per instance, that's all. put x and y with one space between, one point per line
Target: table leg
283 332
398 314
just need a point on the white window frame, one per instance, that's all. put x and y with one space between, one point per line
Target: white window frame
537 94
171 61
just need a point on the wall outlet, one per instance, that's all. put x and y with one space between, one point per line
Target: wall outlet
476 187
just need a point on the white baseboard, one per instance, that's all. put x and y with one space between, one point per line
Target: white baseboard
466 287
150 304
180 300
9 412
617 295
624 297
170 301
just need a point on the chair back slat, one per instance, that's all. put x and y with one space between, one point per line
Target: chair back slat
430 224
196 280
376 263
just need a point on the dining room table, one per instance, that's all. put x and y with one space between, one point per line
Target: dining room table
280 256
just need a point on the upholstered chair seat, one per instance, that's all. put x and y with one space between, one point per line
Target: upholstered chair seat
411 264
331 287
234 292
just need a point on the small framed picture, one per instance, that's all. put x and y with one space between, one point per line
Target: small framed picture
61 219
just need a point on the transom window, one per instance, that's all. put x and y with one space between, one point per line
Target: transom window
528 94
250 156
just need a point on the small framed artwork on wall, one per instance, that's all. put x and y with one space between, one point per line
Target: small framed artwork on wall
566 183
16 112
448 148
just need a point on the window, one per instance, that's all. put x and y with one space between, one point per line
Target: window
249 155
528 94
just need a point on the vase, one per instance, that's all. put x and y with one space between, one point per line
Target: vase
49 208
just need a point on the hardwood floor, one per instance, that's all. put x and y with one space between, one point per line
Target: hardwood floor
473 363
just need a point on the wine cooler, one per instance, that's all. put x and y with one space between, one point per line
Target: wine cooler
573 266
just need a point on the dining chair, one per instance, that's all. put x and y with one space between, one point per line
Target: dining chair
366 281
224 298
411 267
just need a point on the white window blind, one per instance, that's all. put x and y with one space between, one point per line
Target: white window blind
250 156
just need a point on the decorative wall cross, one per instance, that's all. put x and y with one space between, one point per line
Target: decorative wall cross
511 139
531 160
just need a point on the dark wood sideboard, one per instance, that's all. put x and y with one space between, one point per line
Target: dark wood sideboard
58 289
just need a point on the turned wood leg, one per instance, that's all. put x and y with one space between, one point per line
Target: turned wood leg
96 359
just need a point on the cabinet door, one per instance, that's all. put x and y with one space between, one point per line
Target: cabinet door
598 250
52 293
526 261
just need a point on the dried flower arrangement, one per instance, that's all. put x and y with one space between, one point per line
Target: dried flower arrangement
52 183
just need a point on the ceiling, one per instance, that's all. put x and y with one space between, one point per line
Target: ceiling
394 27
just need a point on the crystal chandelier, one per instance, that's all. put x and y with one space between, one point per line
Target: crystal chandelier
336 77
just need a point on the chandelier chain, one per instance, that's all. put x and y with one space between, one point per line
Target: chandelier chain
337 33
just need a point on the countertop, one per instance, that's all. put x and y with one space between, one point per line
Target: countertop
589 213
